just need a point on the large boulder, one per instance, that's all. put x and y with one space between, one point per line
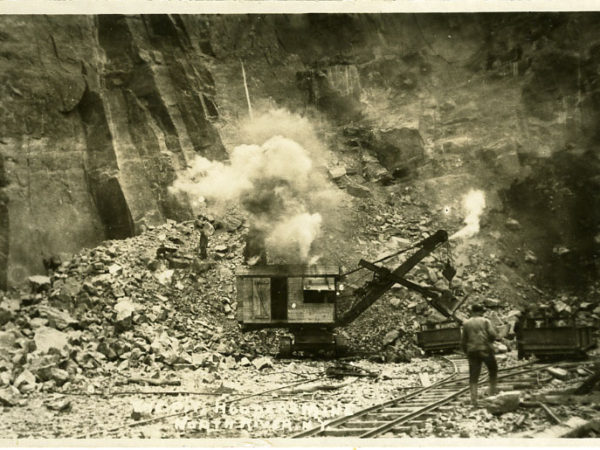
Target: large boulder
56 318
206 359
391 337
25 382
399 150
357 190
39 283
7 340
262 363
6 378
167 348
124 310
336 172
60 376
374 171
228 222
42 366
9 396
6 315
502 403
141 409
558 372
47 339
65 292
107 348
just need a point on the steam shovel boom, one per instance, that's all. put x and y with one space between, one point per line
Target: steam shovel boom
384 279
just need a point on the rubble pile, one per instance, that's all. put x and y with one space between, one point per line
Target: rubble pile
147 302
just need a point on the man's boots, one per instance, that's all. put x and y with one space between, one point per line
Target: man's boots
493 390
473 390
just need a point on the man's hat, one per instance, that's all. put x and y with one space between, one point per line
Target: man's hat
477 308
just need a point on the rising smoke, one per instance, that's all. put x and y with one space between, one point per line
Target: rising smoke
473 204
274 179
294 236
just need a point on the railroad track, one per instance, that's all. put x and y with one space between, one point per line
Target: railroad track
402 414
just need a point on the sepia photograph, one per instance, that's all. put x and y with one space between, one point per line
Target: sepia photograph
294 226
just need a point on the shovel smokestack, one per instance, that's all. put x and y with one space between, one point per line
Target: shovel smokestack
255 251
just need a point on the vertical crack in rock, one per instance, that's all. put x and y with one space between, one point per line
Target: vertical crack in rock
187 82
115 38
102 169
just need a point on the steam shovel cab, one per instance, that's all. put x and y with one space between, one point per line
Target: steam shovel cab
300 298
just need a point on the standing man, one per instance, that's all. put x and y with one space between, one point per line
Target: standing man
518 329
203 244
478 335
206 229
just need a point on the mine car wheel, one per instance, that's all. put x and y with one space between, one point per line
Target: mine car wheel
285 347
341 346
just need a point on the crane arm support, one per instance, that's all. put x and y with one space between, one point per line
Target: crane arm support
433 296
371 292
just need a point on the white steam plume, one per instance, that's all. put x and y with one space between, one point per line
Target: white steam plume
294 236
473 204
273 179
278 121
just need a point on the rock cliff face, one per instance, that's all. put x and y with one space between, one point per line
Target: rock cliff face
507 103
97 115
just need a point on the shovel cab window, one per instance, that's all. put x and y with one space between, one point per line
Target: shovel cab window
318 289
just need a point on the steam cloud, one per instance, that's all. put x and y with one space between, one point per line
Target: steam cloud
473 204
294 234
274 180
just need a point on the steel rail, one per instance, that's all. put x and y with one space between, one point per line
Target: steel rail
445 383
413 415
369 409
436 404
